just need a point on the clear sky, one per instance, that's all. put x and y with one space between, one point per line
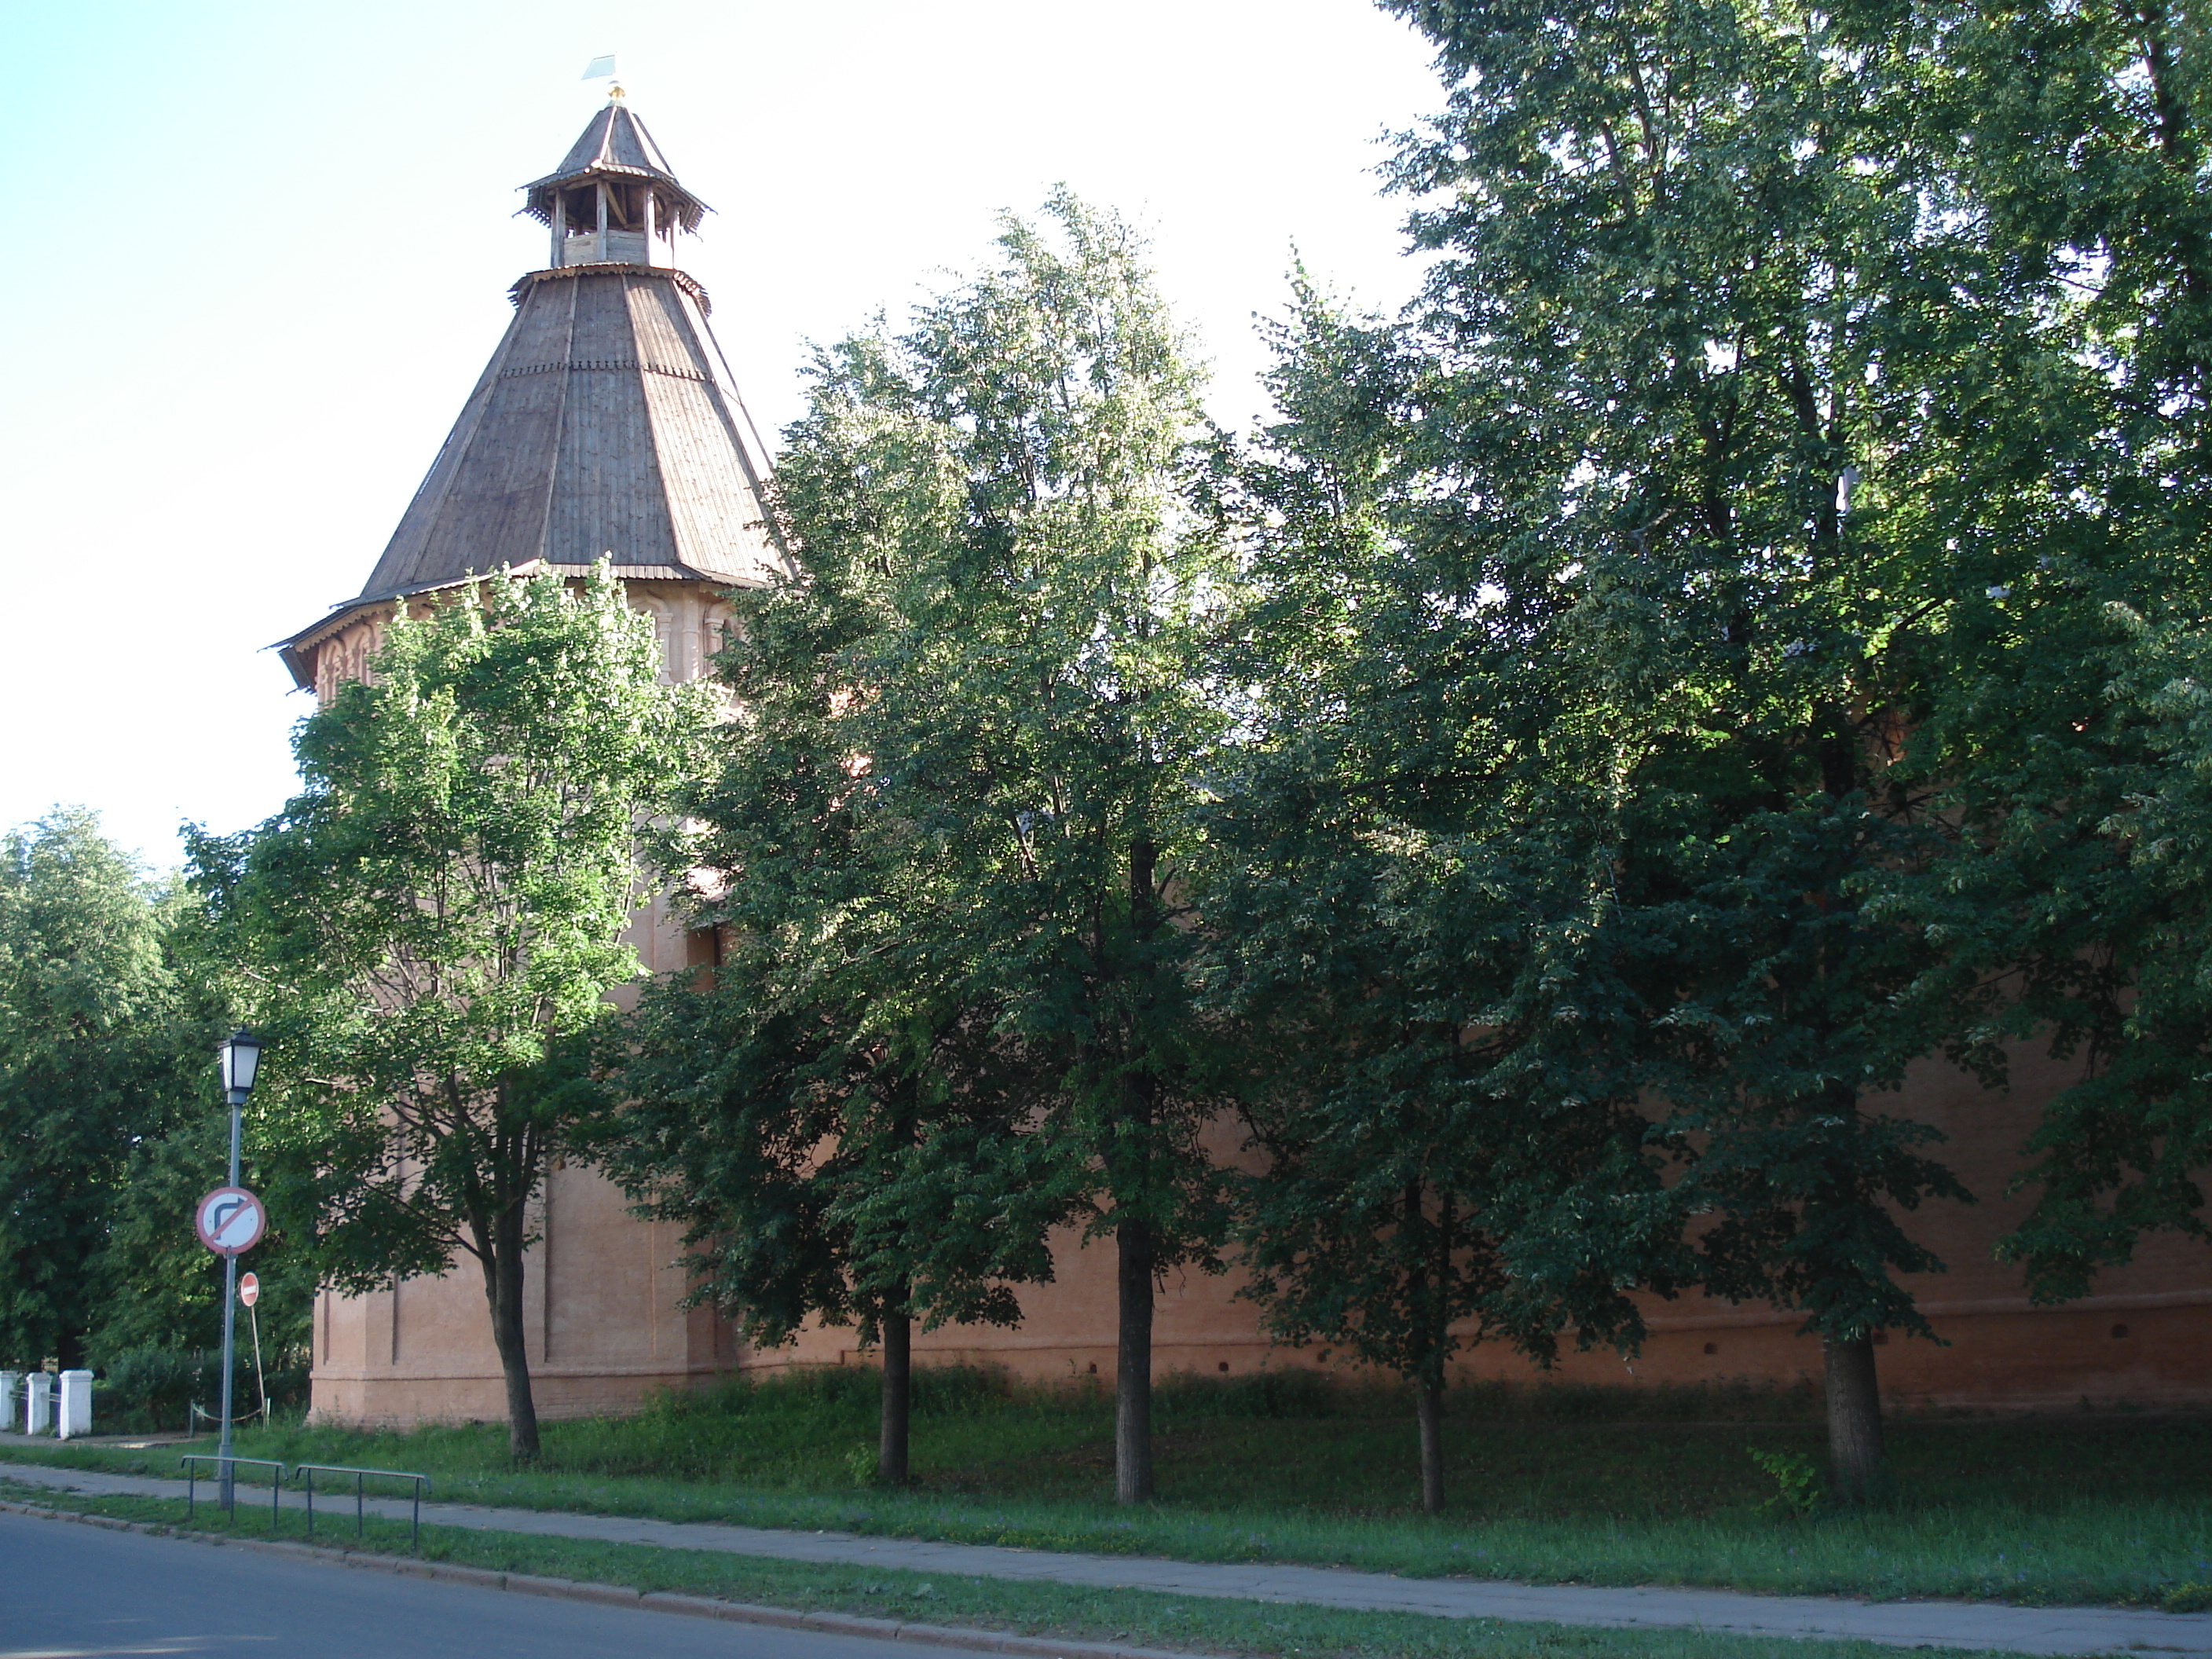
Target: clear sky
260 253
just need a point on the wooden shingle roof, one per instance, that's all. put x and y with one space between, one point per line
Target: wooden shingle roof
606 426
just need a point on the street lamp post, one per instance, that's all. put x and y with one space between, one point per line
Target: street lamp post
240 1057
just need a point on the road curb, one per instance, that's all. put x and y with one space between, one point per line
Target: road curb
570 1589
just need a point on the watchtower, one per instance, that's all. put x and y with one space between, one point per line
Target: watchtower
605 427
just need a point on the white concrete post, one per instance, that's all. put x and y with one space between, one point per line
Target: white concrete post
76 1404
38 1403
8 1381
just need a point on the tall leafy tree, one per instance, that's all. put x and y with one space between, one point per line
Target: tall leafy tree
430 929
160 1288
829 1110
1710 313
2071 751
1390 912
105 1050
988 686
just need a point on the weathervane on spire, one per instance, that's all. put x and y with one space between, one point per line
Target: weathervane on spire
603 69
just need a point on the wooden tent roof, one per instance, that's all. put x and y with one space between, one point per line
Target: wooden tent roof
615 145
606 425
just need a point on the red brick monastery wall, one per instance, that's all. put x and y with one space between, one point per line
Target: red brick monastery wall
607 1329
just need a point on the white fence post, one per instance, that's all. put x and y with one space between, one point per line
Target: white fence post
8 1384
76 1404
38 1403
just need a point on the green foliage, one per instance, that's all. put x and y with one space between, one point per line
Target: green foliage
161 1385
953 820
1799 1490
2096 904
1636 583
426 935
860 1465
154 1389
1806 420
108 1021
1027 702
766 1117
1698 339
2070 489
1443 1160
1596 602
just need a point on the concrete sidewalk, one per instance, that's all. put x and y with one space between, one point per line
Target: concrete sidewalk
2042 1631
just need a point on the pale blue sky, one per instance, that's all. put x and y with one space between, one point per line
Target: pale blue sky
259 253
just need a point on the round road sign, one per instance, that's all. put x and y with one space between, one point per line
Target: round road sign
249 1289
230 1221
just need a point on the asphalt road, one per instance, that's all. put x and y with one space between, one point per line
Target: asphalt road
77 1592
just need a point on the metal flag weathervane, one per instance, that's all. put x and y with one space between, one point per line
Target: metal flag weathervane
603 69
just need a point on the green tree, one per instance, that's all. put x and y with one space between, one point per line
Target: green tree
161 1287
833 1151
989 686
430 929
831 1111
1388 917
1713 329
1430 1180
106 1051
2071 751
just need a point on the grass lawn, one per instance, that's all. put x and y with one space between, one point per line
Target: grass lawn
1143 1618
1550 1485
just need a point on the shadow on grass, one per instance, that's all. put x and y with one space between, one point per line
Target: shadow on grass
1616 1486
1150 1619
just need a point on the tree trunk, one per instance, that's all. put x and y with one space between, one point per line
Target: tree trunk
1854 1456
502 1272
1425 1279
897 1399
1429 1408
1132 1376
1136 1250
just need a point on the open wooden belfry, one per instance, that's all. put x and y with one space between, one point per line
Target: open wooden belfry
607 425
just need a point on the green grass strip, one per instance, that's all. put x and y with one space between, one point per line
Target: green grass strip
1141 1618
2075 1548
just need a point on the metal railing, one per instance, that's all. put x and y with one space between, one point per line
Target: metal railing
311 1470
192 1477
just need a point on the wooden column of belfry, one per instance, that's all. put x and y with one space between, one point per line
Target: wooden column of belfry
607 425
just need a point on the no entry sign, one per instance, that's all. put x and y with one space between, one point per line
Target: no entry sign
230 1221
249 1289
